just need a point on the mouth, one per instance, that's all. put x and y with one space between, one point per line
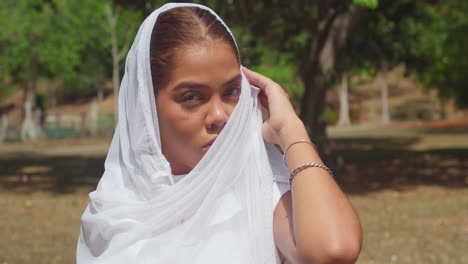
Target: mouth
208 145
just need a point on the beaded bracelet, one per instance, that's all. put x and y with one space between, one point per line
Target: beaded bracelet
308 165
294 143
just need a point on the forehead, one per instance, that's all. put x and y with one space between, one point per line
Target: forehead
211 63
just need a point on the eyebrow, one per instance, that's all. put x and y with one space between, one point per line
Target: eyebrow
195 85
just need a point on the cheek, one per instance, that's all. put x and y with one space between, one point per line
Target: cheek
178 125
187 126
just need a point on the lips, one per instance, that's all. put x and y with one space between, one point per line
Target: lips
207 145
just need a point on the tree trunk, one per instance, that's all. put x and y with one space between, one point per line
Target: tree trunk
117 55
100 94
4 127
112 20
384 95
344 119
28 129
115 81
94 117
313 105
318 67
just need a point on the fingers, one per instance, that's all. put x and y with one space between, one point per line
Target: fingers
263 100
256 79
271 93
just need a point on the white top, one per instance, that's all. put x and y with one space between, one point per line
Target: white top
279 189
130 253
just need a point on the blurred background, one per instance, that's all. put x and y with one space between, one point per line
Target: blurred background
381 86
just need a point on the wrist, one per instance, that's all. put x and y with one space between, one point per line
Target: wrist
291 132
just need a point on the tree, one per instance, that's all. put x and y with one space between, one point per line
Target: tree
428 36
21 39
382 42
43 37
438 48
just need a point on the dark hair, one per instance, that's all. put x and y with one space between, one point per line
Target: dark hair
178 28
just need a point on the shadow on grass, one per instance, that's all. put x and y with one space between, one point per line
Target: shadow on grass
361 165
24 172
374 164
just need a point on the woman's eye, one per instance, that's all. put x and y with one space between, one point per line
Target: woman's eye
234 91
191 96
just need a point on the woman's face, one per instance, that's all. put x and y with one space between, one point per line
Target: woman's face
196 102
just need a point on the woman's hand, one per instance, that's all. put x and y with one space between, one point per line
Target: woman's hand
283 120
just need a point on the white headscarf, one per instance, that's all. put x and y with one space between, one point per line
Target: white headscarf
221 212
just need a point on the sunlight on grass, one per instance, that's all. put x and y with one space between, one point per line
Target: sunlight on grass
409 188
40 227
423 225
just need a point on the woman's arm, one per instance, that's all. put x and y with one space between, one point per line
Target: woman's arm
314 223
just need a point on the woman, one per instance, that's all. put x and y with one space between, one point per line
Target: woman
188 177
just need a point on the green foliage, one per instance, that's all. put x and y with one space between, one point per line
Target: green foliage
430 37
280 68
71 39
17 20
373 4
61 38
381 40
128 21
77 88
438 48
51 34
5 90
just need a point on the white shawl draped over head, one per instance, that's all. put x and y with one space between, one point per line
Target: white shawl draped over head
221 212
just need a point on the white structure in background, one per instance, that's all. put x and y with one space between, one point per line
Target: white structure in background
384 95
93 117
28 128
344 119
61 120
4 127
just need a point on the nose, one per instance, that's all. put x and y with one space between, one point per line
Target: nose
217 115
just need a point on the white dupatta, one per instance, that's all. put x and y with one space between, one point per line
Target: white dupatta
221 212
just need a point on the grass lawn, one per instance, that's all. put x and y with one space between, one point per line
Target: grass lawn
409 187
